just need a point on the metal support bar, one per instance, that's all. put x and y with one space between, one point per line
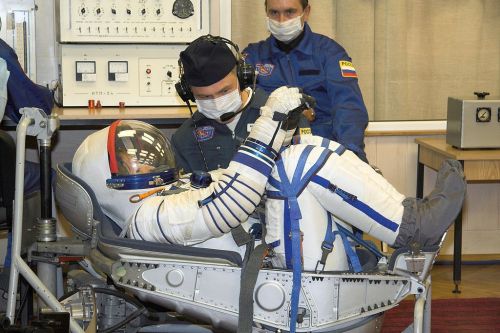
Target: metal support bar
34 122
18 215
422 310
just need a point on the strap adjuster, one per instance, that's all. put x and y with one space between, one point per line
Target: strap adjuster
326 246
326 249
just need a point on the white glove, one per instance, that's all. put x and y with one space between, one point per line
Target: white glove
282 100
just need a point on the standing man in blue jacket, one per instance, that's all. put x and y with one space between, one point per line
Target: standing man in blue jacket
294 55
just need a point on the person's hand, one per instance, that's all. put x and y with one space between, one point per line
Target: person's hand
282 100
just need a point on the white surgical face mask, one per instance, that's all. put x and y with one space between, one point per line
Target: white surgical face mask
214 108
285 31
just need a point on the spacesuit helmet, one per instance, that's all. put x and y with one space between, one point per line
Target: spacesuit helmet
139 156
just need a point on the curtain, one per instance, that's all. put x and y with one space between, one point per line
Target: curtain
410 55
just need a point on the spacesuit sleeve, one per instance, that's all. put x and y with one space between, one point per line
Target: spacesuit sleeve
197 215
350 116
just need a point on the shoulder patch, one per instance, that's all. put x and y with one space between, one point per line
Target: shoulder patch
347 69
264 69
204 133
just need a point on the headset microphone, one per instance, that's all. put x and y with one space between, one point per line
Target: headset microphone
228 116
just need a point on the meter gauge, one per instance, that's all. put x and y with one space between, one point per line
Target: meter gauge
85 71
483 115
183 9
118 71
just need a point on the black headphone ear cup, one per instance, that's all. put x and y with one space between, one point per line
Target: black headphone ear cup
183 90
246 74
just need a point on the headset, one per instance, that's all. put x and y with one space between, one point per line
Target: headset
245 72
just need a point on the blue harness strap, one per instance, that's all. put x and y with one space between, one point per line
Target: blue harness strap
327 245
289 192
367 245
356 203
352 257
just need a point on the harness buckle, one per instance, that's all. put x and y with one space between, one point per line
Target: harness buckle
326 249
319 271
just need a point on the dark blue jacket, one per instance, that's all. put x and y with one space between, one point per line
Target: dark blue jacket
215 139
21 91
321 67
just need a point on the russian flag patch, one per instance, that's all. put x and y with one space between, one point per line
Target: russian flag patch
347 69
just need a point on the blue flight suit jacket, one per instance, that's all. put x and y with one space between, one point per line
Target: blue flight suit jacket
322 68
215 139
21 91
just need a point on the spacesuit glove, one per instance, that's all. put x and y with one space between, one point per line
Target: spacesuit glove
282 100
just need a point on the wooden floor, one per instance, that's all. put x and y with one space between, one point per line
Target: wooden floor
477 281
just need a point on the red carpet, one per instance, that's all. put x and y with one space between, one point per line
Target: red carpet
450 315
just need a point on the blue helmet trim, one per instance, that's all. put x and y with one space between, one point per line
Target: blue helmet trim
143 181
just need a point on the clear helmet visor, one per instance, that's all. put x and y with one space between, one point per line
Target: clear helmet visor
136 148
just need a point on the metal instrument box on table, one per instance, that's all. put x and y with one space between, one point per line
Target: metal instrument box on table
473 123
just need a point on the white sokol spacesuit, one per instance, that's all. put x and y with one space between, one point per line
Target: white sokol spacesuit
317 189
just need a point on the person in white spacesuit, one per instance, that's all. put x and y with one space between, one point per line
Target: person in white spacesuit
317 190
102 162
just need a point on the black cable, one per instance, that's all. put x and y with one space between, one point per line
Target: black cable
196 137
56 102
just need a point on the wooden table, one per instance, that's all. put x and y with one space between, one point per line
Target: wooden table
480 165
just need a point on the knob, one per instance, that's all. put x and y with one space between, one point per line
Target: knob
148 71
129 11
200 179
158 11
169 74
143 11
98 11
481 94
113 11
82 11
